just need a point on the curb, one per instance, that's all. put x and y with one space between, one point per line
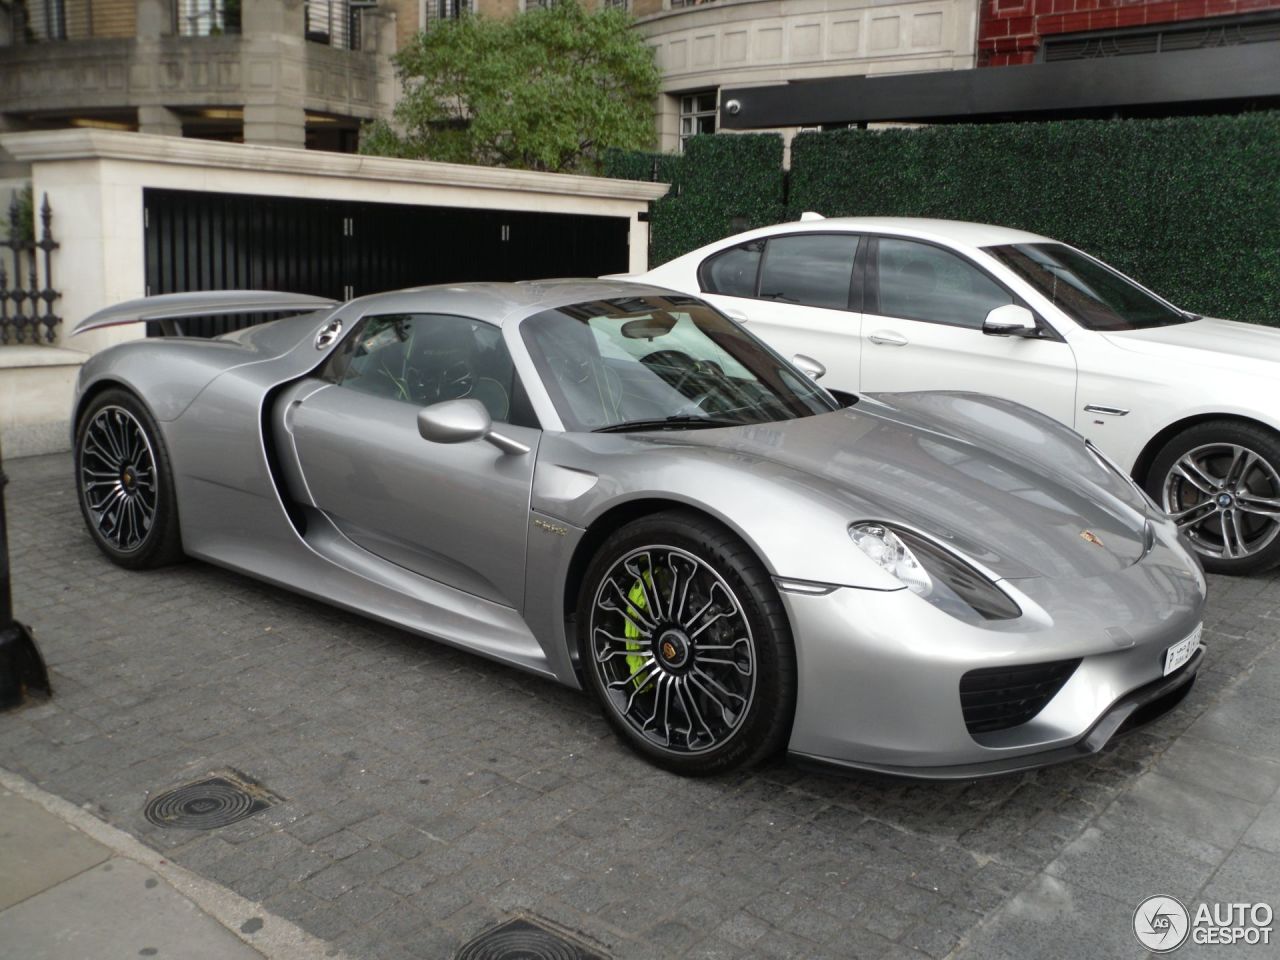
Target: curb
275 939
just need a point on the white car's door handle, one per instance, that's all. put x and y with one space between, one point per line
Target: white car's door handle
887 338
737 315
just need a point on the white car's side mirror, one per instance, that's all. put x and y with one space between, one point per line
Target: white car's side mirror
810 367
1010 320
460 421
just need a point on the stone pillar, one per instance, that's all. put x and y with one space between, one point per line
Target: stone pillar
380 37
155 18
275 124
10 169
159 120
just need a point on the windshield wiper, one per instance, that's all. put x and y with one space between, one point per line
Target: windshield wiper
681 422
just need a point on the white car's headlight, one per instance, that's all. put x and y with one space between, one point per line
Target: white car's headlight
934 573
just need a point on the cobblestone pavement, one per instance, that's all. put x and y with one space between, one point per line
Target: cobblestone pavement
431 794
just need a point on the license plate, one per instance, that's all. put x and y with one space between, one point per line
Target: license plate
1181 651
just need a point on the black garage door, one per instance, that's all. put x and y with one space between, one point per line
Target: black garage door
343 249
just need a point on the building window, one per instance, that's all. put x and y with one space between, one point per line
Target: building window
335 23
620 4
452 9
698 114
677 4
207 18
36 20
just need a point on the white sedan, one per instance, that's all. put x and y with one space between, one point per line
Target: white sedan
1190 406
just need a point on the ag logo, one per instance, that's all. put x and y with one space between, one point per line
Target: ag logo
1161 924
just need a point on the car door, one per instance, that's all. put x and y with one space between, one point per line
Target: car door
455 513
924 307
798 293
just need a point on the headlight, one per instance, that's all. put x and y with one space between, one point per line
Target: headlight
934 573
886 548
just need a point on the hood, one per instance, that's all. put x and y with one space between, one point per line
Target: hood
1207 342
1003 485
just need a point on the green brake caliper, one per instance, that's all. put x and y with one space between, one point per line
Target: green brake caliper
631 631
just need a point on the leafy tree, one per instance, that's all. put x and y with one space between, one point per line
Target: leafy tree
551 89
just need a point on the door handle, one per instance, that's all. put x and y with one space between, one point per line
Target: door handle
736 315
887 338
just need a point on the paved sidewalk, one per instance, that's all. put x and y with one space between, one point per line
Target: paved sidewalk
73 888
428 795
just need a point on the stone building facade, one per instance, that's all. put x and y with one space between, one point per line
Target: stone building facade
277 72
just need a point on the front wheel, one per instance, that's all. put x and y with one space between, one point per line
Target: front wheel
686 646
1220 482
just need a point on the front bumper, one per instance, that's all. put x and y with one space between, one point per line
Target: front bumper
1143 705
879 671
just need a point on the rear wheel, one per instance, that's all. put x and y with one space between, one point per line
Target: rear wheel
686 646
124 482
1220 481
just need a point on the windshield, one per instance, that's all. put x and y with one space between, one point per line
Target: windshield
651 362
1087 290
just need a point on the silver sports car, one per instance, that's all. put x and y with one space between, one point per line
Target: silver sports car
615 486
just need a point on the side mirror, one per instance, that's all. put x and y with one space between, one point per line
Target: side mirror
1010 320
810 367
460 421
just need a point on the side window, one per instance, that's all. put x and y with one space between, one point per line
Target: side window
918 281
732 272
426 358
815 269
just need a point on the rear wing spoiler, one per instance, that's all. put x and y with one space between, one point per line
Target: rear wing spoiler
168 308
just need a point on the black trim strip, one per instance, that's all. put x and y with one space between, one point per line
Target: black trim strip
1230 77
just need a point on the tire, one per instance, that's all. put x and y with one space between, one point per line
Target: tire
655 593
1220 480
124 482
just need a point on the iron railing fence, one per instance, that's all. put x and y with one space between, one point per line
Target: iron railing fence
26 307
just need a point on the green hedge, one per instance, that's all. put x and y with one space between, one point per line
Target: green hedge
1190 206
719 185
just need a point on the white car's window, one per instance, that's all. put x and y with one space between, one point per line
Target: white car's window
918 281
429 358
732 272
1091 293
814 270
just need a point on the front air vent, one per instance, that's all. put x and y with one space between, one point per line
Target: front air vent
997 698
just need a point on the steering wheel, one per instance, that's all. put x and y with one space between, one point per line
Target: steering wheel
453 381
674 359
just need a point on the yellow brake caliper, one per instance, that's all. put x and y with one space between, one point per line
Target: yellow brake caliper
631 631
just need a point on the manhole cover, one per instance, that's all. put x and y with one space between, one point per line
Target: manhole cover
207 804
524 940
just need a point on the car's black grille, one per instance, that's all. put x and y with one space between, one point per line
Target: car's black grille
997 698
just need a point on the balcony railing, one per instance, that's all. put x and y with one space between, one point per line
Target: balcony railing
334 23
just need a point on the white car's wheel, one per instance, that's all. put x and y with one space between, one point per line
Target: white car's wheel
1220 481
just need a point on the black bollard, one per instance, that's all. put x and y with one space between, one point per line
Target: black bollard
22 669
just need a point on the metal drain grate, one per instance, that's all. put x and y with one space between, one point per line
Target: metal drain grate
219 799
524 940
